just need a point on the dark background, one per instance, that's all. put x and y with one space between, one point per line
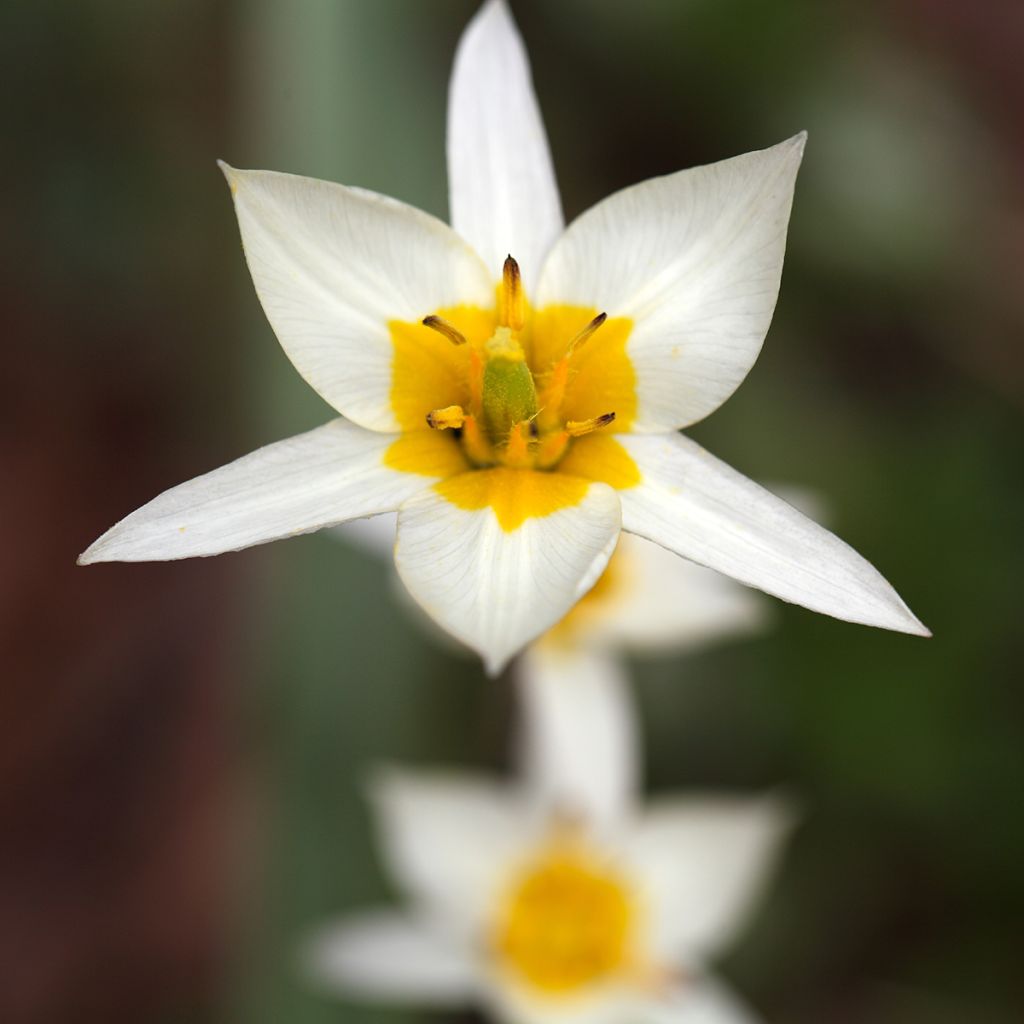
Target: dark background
182 745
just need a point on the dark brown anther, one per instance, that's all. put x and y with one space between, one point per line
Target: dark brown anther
587 332
439 324
512 307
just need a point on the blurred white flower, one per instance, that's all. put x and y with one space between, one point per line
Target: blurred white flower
573 683
544 913
517 418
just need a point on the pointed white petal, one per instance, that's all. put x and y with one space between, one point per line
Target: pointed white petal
317 479
497 588
578 743
697 506
392 958
702 862
695 260
697 1001
658 601
333 265
502 190
448 840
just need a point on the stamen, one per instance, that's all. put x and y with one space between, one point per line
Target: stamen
551 448
586 334
578 428
439 324
558 379
512 305
475 443
517 451
476 382
450 417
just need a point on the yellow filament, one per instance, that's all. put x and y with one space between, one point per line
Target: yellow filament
475 442
551 448
517 451
551 398
580 428
476 382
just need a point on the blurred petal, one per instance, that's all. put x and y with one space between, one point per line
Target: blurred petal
502 190
375 534
497 557
697 1001
392 958
578 744
702 862
697 506
333 266
512 1002
448 840
317 479
694 259
661 602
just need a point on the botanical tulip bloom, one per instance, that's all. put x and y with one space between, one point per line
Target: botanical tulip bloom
547 903
514 389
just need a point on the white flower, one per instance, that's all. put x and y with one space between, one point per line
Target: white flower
573 683
584 909
517 419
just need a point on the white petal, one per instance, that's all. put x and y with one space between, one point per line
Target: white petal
449 840
392 958
496 589
697 1001
502 190
695 260
702 862
578 743
697 506
317 479
661 602
509 1000
333 265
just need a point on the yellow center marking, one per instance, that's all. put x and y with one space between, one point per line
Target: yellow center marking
566 923
428 453
433 376
515 494
601 457
427 370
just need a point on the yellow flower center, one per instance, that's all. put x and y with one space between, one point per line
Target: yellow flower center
513 397
567 922
519 387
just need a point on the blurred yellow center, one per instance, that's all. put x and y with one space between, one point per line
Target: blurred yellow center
516 390
566 923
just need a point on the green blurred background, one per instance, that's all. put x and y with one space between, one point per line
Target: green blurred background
182 746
